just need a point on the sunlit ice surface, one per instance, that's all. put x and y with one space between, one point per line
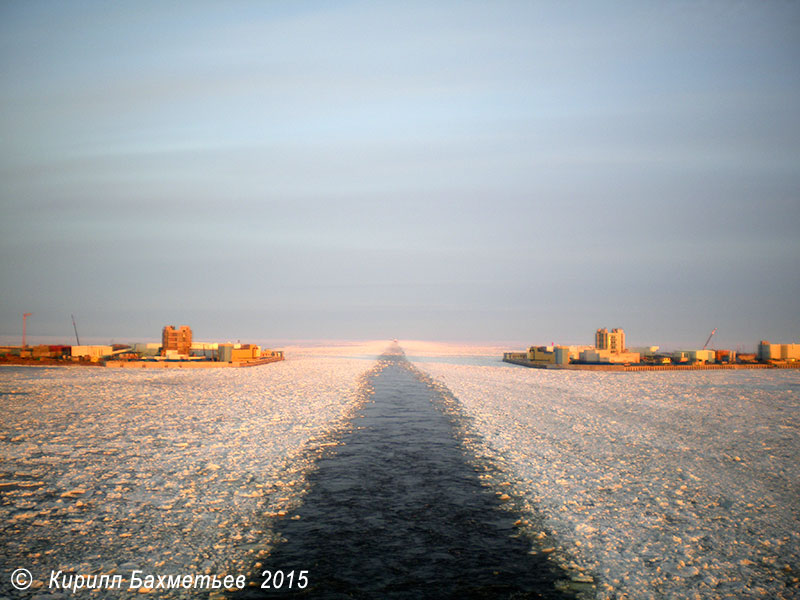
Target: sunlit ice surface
664 485
166 471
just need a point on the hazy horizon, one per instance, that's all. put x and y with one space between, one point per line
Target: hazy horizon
436 347
453 171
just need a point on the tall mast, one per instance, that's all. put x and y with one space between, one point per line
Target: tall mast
75 327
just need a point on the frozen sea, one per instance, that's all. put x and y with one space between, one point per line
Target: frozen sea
106 471
664 485
657 485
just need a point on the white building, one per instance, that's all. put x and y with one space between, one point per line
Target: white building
206 349
95 353
607 357
694 356
648 351
789 352
149 349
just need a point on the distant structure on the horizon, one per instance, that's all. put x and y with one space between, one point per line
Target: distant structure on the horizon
609 348
176 350
610 352
614 342
768 351
176 341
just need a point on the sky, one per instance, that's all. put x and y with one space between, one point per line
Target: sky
458 171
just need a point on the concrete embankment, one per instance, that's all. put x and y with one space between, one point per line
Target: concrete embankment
16 361
188 364
136 364
628 368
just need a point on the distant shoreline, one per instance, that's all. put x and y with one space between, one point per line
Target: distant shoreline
15 361
188 364
629 368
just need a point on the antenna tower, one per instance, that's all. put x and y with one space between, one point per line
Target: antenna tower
75 327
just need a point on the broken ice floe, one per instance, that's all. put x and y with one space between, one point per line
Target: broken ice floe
664 485
106 471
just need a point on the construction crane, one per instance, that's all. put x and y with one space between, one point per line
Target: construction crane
75 327
24 323
713 331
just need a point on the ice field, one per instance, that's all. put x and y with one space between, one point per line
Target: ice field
167 471
664 485
661 485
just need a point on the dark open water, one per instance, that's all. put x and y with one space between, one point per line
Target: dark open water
399 512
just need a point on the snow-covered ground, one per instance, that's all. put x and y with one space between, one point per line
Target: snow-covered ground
166 471
664 485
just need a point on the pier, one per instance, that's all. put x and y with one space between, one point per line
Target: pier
189 364
645 367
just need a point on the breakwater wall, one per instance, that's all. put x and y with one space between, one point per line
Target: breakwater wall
188 364
629 368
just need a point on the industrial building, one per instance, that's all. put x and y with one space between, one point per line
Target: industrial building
608 357
694 356
51 351
778 352
645 351
563 354
147 350
542 355
725 356
209 350
238 353
551 355
93 353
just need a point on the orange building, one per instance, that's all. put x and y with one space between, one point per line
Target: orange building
178 340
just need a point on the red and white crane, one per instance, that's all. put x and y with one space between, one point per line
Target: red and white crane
713 331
